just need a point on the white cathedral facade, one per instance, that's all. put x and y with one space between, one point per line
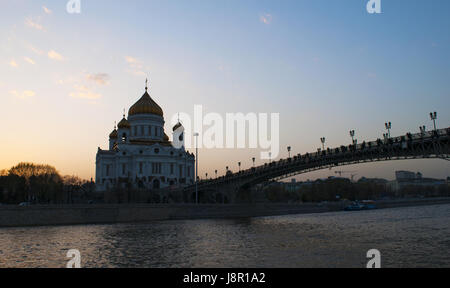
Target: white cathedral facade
140 155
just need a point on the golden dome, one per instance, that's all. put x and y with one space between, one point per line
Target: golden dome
178 125
113 134
123 124
145 105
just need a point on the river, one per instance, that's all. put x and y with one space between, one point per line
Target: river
405 237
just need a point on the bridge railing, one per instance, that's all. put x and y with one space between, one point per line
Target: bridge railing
377 144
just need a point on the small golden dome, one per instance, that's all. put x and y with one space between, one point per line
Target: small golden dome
113 134
178 125
123 124
145 105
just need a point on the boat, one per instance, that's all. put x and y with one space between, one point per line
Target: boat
358 206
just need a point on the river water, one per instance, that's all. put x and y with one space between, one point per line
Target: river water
405 237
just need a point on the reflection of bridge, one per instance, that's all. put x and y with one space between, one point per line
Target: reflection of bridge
236 186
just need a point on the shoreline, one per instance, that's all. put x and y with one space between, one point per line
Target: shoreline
61 215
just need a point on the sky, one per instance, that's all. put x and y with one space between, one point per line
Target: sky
325 66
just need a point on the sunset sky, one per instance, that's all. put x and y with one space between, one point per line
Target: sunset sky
325 66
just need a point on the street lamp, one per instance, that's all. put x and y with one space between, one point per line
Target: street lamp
206 176
239 164
352 134
323 142
253 159
423 130
196 166
289 151
433 117
388 126
216 173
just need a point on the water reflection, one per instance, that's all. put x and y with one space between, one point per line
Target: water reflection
406 237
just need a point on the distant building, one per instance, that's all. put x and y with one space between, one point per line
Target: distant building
373 180
295 186
406 178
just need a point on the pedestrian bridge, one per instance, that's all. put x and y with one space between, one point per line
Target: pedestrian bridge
425 145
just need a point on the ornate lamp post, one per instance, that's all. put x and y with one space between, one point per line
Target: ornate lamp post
289 151
216 173
388 126
239 164
352 134
253 159
423 130
323 142
433 117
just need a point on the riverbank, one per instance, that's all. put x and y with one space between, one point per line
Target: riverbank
12 216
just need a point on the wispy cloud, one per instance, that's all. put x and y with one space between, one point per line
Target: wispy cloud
83 92
265 18
131 60
29 60
46 10
55 56
34 24
13 63
22 95
135 66
35 50
99 78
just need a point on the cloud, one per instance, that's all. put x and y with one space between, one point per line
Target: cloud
99 78
131 60
29 60
13 63
83 92
55 56
34 24
46 10
24 95
135 66
266 18
35 50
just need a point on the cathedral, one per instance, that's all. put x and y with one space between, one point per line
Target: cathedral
140 155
